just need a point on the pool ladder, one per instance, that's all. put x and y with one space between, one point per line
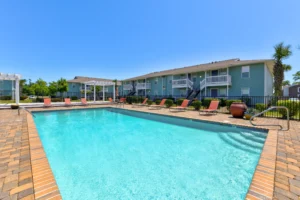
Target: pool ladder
272 108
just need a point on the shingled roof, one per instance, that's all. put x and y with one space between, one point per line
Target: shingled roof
204 67
83 79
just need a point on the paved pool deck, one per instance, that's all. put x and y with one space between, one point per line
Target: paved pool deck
26 174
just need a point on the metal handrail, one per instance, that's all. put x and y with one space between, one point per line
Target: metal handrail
271 108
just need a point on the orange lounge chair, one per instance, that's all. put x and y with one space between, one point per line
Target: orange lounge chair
213 107
141 104
68 102
161 105
182 107
122 101
83 102
47 102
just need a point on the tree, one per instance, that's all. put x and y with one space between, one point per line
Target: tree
21 85
40 87
62 86
296 78
52 88
286 82
281 52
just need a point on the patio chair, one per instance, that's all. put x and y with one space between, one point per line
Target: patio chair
182 107
140 104
47 102
122 101
84 102
111 100
161 105
213 107
68 102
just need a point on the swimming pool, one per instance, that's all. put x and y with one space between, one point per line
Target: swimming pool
117 154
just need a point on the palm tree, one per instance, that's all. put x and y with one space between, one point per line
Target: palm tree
281 52
296 78
286 82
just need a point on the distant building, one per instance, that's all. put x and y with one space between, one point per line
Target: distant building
294 91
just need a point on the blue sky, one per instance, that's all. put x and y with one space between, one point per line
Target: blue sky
122 39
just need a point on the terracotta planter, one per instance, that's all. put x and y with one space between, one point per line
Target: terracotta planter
237 109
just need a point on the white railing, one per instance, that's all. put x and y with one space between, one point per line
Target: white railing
143 86
127 87
181 83
215 81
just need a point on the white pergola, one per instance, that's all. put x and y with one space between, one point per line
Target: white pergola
100 83
16 78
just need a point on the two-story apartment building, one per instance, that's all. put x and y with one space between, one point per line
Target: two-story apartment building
233 77
76 87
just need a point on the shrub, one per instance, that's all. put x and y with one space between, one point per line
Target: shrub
169 103
293 107
206 102
222 102
74 98
139 99
157 101
5 98
149 102
246 100
55 100
23 97
230 101
196 104
39 99
179 102
260 107
132 99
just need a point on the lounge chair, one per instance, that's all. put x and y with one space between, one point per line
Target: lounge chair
182 107
141 104
122 101
47 102
213 107
68 102
161 105
84 102
111 100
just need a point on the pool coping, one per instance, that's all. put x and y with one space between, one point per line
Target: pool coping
261 187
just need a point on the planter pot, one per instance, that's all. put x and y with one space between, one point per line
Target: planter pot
248 116
14 106
237 109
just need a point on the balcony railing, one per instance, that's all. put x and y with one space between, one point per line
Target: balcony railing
127 87
215 81
182 83
143 86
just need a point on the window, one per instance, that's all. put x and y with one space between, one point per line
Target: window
73 85
222 92
156 80
245 72
245 92
222 72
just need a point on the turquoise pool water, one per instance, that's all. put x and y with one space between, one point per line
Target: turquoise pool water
114 154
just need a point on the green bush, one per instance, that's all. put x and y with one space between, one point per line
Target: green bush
157 101
230 101
293 106
222 102
39 100
260 107
149 102
23 97
196 104
5 98
132 99
74 98
206 102
246 100
55 100
179 102
169 103
139 99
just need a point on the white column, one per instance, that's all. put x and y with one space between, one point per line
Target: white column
145 87
114 92
172 85
227 82
205 83
103 92
94 92
85 91
17 92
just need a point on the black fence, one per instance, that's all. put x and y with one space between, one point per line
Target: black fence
256 103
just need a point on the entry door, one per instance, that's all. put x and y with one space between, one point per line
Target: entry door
213 92
214 73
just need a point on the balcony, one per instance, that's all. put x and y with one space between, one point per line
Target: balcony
182 83
127 87
215 81
143 86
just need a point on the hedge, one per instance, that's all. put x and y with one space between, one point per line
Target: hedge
74 98
169 103
196 104
157 101
179 102
23 97
293 106
260 107
5 98
149 102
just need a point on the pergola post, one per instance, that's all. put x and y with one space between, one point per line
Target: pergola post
95 92
17 91
103 93
114 92
85 91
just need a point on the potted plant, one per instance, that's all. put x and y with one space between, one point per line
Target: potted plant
237 109
14 106
249 113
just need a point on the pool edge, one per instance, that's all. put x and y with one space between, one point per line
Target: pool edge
263 181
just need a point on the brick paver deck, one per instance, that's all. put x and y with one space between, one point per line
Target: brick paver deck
25 172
